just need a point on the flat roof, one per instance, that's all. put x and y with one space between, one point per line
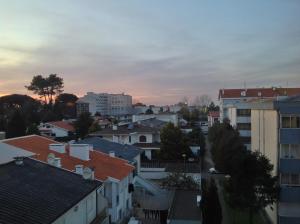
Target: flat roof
36 192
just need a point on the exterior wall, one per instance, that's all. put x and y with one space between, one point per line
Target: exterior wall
264 138
108 104
135 138
231 115
121 200
82 213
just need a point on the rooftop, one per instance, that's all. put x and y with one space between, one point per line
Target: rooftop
104 165
258 92
36 192
184 206
127 152
126 130
62 124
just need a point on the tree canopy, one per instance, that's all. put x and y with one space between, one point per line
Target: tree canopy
82 124
251 185
173 143
46 87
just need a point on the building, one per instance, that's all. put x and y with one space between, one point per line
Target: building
35 192
144 137
213 117
166 117
185 208
56 129
81 107
276 134
235 105
105 104
116 174
128 152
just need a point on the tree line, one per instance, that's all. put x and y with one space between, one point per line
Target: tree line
251 185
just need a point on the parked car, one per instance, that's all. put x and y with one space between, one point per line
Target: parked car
212 170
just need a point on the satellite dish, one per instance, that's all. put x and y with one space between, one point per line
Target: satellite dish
87 173
51 159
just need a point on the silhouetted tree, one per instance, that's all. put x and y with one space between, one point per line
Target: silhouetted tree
83 124
173 143
16 126
46 87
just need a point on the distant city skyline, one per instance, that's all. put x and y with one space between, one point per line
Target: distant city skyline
157 51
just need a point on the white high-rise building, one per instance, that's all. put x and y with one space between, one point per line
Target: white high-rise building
108 104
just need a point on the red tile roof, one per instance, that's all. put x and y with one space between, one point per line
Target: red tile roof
62 124
214 113
264 92
105 166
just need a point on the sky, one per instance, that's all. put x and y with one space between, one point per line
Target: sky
158 51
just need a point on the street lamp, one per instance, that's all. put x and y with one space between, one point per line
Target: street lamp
184 156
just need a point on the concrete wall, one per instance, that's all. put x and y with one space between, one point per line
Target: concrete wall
264 138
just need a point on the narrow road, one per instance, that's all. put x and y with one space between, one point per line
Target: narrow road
208 163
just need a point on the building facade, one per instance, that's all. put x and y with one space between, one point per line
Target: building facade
235 105
276 134
106 104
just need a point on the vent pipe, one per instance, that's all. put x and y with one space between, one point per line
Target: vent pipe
79 169
57 162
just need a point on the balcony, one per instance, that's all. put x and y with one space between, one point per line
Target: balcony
290 135
289 165
243 119
289 213
290 194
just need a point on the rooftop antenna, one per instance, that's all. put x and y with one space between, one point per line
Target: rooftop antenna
245 87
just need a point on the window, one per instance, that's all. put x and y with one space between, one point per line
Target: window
243 112
294 179
291 151
290 121
285 151
295 151
117 199
129 139
143 138
284 178
243 126
295 122
290 179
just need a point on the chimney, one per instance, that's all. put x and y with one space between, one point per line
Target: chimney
80 151
57 162
19 160
60 148
79 169
112 154
2 135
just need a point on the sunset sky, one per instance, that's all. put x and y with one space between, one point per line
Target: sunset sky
156 50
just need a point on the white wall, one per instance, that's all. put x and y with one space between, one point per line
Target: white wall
82 213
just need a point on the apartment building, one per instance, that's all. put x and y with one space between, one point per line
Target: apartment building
276 134
235 105
105 104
